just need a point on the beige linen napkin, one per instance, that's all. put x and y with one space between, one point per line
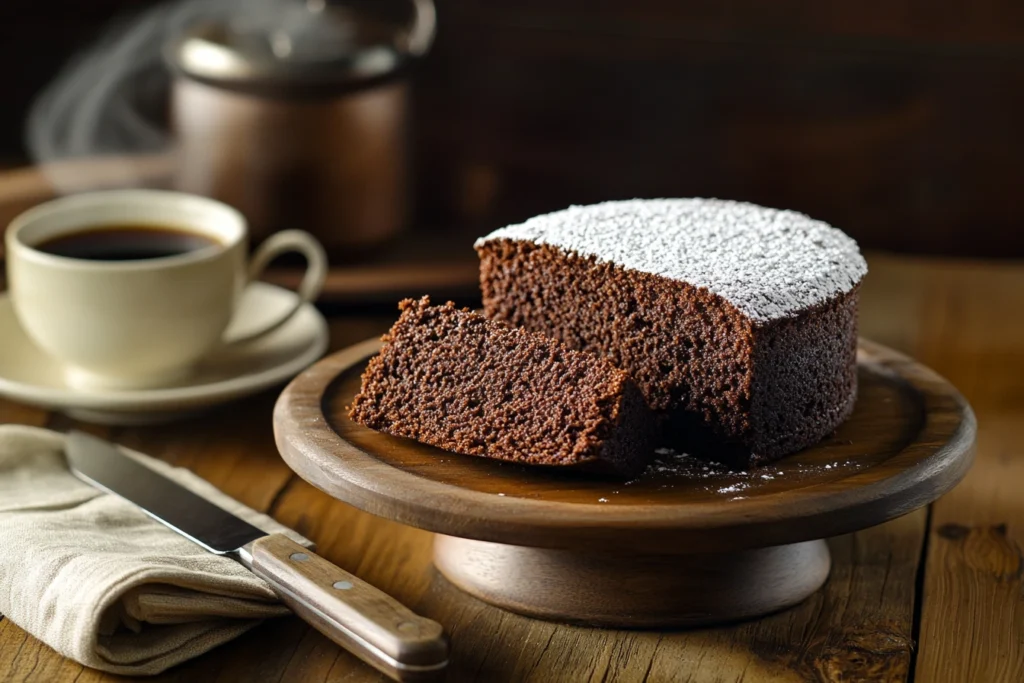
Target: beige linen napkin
100 582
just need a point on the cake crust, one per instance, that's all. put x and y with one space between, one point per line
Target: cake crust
768 263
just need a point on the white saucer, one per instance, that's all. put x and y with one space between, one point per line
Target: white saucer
28 375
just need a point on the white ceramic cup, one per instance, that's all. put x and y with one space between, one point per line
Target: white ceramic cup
146 323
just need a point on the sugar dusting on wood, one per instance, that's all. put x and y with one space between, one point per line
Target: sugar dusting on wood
670 467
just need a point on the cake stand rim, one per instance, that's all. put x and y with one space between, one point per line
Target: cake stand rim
929 466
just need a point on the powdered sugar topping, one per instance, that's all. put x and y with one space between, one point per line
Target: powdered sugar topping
769 263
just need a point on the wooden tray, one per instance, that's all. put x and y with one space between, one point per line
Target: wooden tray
680 545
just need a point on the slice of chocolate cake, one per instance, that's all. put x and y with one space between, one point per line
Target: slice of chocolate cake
738 322
453 379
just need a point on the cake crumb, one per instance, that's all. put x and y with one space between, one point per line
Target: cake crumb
453 379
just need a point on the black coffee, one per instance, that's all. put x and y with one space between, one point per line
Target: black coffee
126 242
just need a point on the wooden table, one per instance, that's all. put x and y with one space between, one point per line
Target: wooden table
937 595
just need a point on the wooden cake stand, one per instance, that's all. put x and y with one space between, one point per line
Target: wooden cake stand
687 543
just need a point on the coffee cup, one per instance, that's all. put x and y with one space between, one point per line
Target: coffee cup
130 289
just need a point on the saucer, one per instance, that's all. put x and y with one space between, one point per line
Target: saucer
29 375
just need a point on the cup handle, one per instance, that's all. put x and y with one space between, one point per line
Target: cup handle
312 282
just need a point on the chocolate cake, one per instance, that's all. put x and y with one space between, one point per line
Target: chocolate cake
738 322
453 379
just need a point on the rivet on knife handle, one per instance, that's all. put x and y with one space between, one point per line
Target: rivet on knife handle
367 622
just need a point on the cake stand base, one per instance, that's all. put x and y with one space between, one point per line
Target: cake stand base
617 589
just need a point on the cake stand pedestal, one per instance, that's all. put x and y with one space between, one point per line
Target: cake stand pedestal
681 545
643 590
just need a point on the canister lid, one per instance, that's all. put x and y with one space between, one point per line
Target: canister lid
304 46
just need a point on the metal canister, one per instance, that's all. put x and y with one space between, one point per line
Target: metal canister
299 116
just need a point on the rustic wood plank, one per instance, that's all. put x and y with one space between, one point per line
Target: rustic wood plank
972 621
973 613
23 658
15 413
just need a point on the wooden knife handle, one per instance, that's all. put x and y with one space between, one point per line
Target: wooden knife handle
355 615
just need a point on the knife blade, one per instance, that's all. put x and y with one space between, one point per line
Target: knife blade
355 615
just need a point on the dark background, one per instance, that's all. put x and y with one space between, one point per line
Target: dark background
899 121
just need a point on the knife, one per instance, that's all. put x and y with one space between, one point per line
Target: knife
365 621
